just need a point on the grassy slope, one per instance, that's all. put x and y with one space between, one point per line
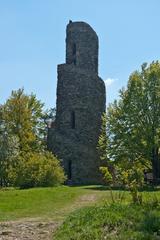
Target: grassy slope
104 221
118 221
114 222
53 203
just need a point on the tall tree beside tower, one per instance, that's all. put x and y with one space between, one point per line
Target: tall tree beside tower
133 122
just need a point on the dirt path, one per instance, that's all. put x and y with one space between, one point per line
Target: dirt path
27 230
35 229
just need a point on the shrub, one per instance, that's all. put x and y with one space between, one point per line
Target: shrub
38 169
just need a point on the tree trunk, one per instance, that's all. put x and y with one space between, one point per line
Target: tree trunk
155 165
1 184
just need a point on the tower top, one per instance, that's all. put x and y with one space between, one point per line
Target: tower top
82 46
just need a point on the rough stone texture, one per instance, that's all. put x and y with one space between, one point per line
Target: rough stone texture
80 104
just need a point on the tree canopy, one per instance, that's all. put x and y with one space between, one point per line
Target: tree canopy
24 159
133 121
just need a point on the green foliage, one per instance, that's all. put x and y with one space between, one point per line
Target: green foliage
9 150
130 139
133 178
23 116
133 122
121 222
106 175
130 176
120 173
37 169
23 159
102 141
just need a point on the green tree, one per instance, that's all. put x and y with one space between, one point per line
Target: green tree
24 160
23 115
133 122
9 151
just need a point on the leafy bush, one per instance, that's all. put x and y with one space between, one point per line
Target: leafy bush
130 175
38 169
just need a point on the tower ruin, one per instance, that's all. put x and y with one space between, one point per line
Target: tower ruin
79 107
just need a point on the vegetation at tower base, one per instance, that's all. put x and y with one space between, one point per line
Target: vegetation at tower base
132 144
38 170
24 160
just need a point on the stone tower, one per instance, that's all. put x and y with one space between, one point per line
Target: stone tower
80 104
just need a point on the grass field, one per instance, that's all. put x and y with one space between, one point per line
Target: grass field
88 212
54 203
112 222
121 220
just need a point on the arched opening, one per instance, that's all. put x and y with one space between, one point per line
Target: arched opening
73 120
74 49
74 61
70 170
74 53
96 64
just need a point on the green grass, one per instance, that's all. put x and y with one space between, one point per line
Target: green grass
39 202
112 222
115 221
100 220
53 203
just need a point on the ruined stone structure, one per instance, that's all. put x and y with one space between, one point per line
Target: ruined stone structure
80 104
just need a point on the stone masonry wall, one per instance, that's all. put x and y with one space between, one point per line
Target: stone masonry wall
80 104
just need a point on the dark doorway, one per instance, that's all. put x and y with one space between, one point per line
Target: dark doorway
73 120
74 53
74 61
96 64
69 170
74 49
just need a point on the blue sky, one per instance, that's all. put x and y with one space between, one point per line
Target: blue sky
32 41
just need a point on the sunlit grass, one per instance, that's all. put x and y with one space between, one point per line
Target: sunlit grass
121 220
53 203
